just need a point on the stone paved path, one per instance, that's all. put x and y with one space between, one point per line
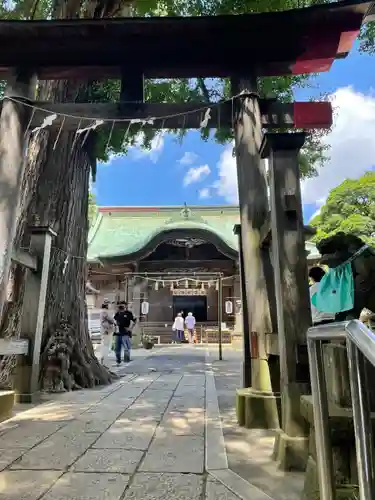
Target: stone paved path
249 452
152 435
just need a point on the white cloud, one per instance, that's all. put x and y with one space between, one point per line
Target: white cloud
226 186
352 150
111 158
352 144
204 193
188 158
157 146
319 204
196 174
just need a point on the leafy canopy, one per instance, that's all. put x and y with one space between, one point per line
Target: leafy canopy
177 90
350 208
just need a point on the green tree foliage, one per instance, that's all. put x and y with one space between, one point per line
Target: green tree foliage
92 209
350 208
367 38
181 90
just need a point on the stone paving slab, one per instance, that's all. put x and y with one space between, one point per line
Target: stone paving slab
217 491
158 395
124 394
7 426
141 416
186 404
57 452
29 434
195 380
146 411
175 454
25 485
179 424
216 456
7 456
84 486
143 438
54 411
154 397
235 483
111 408
101 460
190 391
133 436
165 487
145 379
89 422
169 378
162 386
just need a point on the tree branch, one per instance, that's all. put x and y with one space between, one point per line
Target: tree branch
204 90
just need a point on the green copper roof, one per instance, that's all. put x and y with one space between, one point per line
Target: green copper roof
122 231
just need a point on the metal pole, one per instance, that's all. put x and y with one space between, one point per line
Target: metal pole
127 290
362 421
220 316
321 421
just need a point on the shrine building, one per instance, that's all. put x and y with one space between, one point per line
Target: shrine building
171 258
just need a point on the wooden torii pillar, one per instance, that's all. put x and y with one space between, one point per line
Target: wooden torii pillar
246 361
262 400
291 289
284 285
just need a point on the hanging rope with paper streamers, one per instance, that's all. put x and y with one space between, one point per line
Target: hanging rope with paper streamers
66 262
206 118
95 123
176 282
47 122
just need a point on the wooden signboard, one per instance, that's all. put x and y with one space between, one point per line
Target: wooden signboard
189 292
13 346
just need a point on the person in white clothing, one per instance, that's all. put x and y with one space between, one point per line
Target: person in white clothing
318 317
178 328
190 324
107 327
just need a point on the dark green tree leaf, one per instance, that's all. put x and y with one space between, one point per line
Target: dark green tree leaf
350 208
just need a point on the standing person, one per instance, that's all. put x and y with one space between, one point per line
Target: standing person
190 324
125 322
107 325
318 318
178 327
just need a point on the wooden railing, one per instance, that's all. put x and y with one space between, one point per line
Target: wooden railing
207 333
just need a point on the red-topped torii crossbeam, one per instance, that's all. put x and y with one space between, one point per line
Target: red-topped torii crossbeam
272 43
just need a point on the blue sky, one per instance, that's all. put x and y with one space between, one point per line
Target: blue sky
198 172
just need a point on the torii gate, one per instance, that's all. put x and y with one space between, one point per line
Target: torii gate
245 47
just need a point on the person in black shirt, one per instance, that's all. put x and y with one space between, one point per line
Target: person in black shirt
125 322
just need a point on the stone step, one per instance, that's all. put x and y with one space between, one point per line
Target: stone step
7 399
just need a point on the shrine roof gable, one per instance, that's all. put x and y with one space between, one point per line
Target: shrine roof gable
126 231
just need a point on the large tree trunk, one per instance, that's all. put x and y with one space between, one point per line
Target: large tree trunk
56 187
55 193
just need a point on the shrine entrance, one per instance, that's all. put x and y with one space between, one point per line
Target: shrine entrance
196 304
274 285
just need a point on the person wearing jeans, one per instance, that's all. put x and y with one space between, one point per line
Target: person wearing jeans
123 341
125 322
